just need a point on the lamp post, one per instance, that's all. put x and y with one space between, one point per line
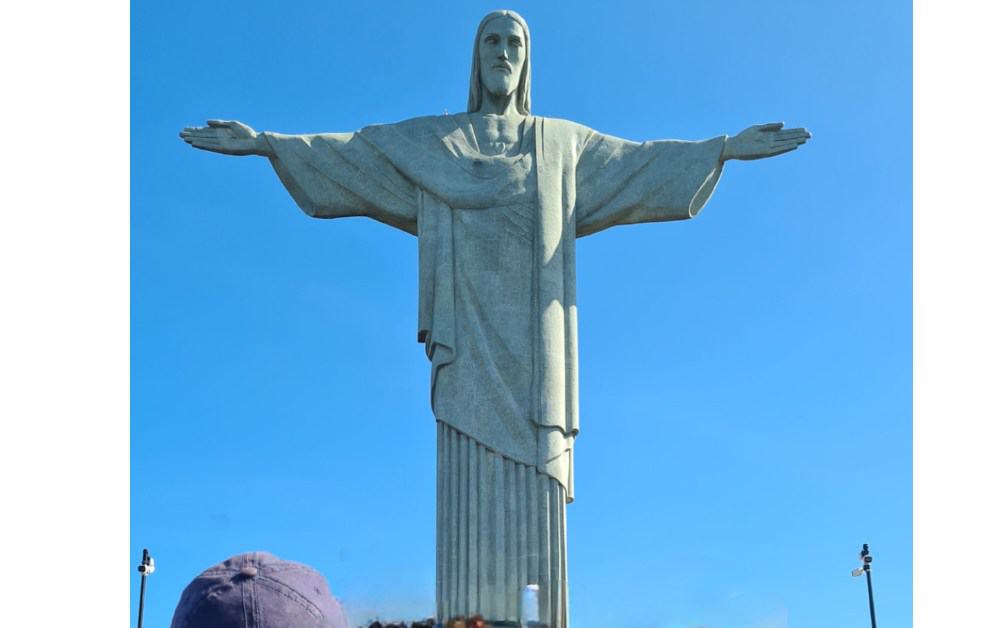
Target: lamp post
866 568
146 567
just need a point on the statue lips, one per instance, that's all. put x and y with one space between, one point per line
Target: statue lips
502 66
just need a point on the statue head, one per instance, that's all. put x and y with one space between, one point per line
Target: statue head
501 60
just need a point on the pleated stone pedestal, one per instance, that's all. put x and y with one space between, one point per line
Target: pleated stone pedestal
500 526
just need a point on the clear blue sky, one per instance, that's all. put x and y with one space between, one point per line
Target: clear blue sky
745 376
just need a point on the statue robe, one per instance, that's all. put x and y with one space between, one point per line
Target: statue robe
497 312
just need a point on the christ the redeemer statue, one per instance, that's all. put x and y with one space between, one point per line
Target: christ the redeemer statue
497 198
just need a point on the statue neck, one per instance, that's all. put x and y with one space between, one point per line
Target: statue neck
499 104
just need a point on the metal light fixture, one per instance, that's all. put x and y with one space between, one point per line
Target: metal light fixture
146 567
866 568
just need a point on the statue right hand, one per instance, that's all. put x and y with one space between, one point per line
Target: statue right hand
228 137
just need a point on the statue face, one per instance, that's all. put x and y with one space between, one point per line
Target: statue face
501 56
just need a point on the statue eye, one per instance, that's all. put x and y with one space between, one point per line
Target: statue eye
514 41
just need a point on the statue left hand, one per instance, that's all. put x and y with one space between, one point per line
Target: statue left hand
764 140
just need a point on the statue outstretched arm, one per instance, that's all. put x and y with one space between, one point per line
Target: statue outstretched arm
764 140
228 137
621 182
330 175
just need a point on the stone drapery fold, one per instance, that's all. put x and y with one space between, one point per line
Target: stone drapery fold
415 174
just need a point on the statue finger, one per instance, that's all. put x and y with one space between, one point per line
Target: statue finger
791 141
795 136
786 146
794 143
788 133
770 126
205 134
203 137
219 123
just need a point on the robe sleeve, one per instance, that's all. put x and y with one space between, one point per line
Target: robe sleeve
620 182
343 174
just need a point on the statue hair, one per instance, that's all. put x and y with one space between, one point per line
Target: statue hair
523 96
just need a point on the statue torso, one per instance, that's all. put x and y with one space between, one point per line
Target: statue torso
498 135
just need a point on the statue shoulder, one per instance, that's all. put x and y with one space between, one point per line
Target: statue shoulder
565 129
562 123
423 126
